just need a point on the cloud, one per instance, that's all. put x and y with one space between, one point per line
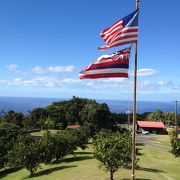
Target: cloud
126 85
177 87
41 70
146 72
11 67
59 69
35 70
38 81
109 84
121 85
155 86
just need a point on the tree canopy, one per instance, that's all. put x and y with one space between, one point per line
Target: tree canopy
113 150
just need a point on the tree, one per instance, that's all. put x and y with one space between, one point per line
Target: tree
25 153
54 146
169 118
47 123
13 117
75 138
113 150
175 143
73 109
47 147
155 116
8 136
28 122
120 118
36 117
165 117
96 117
57 114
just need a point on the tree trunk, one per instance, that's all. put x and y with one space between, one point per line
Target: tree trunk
111 175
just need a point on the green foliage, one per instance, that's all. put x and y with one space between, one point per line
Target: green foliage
25 154
13 117
57 114
53 146
37 117
96 117
57 145
39 113
172 135
8 135
48 123
28 123
169 118
165 117
83 136
47 147
120 118
76 138
73 109
155 116
175 143
113 150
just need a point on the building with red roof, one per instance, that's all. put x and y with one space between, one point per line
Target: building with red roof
151 126
73 126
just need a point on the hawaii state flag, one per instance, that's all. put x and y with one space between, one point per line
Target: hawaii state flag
107 66
122 32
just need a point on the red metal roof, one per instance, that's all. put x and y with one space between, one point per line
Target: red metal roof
73 126
151 124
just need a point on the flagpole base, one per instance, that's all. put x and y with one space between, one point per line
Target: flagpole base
133 176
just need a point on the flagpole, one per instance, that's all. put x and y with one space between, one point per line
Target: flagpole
134 110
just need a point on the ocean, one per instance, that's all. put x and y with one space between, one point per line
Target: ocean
25 104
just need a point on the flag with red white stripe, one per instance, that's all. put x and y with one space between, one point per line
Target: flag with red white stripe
122 32
107 66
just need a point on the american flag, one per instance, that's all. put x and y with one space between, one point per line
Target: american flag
107 66
122 32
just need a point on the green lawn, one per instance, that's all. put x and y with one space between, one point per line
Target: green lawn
155 164
40 133
163 139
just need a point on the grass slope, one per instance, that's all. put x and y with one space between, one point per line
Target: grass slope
155 164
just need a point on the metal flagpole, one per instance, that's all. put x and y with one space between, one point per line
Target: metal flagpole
134 110
176 124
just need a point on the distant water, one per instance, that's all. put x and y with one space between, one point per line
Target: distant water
118 106
25 104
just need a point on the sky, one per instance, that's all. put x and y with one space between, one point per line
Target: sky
44 44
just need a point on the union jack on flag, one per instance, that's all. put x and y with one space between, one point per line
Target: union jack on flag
107 66
122 32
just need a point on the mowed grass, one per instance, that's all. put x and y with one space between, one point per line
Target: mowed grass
40 133
163 139
155 164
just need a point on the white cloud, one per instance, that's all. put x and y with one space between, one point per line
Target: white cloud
156 86
99 85
109 84
41 70
44 81
59 69
36 70
11 67
112 80
146 72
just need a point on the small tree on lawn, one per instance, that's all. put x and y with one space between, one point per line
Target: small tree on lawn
175 143
25 154
113 150
8 136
